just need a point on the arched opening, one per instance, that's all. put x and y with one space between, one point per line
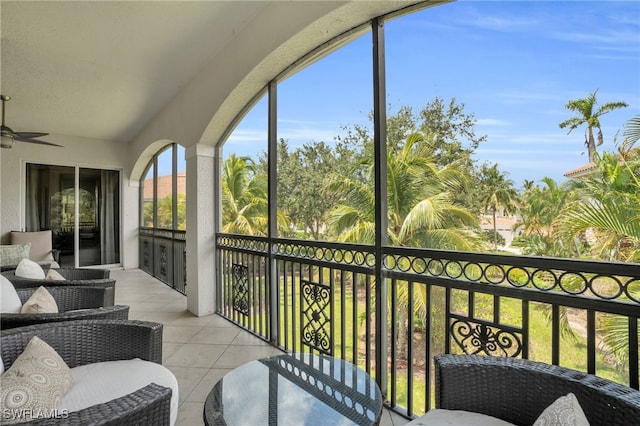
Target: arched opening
162 235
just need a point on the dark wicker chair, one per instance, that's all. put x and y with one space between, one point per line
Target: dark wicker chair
74 303
518 391
74 277
86 342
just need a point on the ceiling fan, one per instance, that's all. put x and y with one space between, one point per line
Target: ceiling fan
8 136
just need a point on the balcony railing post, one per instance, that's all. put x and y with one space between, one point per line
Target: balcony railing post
380 161
273 209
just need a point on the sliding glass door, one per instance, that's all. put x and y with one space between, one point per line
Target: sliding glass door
82 208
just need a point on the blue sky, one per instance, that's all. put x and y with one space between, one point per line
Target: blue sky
513 64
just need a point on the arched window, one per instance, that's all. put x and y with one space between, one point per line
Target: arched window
163 217
164 190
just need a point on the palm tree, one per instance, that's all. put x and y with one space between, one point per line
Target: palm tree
244 197
609 207
631 135
587 115
497 191
421 212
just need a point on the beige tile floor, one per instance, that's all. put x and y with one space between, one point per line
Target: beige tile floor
198 350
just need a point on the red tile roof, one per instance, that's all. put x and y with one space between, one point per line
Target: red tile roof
580 170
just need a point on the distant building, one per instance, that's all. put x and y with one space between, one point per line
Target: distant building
580 172
164 186
504 226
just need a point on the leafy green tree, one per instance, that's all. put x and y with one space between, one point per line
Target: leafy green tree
164 207
301 185
497 192
455 139
588 113
540 207
446 128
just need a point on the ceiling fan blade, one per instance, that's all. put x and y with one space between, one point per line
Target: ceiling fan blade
22 139
30 135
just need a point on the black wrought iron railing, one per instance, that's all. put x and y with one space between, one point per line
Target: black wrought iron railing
163 255
310 296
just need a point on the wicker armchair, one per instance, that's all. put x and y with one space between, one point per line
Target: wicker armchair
518 390
74 277
74 303
85 342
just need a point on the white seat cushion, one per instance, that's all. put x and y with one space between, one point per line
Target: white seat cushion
9 300
104 381
440 417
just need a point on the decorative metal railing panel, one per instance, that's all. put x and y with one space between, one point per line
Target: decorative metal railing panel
315 316
162 254
243 293
240 288
163 263
482 338
145 254
438 302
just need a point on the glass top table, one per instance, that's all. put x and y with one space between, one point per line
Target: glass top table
297 389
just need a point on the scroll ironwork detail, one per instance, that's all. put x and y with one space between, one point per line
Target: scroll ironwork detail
479 338
146 255
163 260
240 288
316 318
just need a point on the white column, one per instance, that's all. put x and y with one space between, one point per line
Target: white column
201 181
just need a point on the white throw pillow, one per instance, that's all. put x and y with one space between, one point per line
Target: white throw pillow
40 302
53 275
29 269
34 384
565 411
9 300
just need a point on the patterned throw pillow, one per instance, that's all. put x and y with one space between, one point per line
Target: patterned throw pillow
34 384
40 302
53 275
565 411
14 253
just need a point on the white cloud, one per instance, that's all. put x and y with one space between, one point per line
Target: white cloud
492 122
247 136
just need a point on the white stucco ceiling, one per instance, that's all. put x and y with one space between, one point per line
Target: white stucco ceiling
105 70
